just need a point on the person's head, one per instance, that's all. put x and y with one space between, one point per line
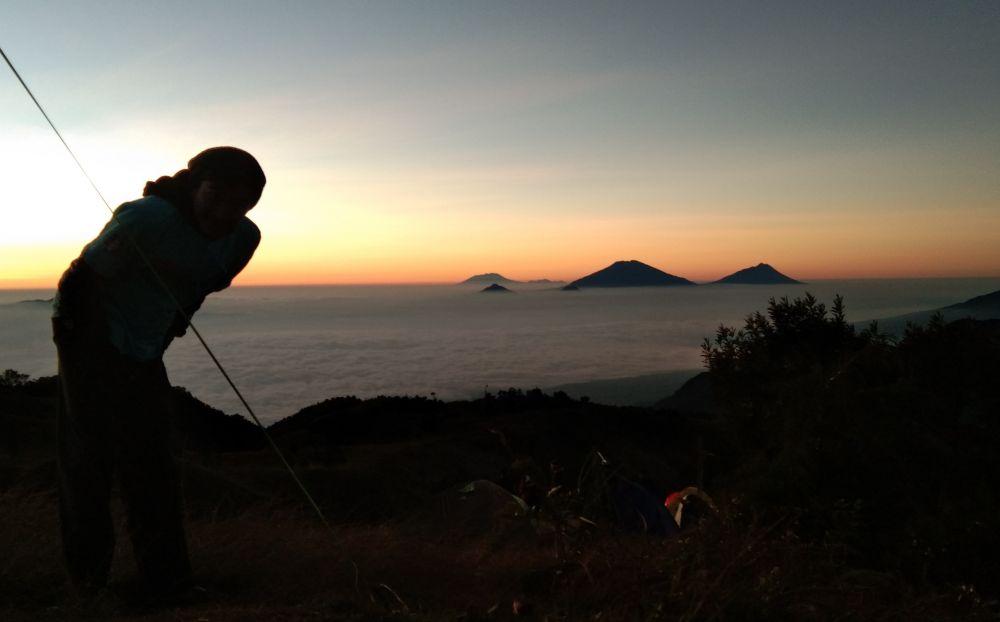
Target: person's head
219 186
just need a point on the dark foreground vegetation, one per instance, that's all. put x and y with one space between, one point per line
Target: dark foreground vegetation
855 478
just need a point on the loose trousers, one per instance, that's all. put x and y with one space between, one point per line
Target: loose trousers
114 419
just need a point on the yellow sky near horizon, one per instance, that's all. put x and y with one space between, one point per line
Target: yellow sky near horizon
355 246
359 224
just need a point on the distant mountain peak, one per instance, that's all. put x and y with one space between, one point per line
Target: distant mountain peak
487 278
630 273
761 274
495 277
495 288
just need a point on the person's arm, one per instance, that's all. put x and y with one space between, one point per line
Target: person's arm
250 243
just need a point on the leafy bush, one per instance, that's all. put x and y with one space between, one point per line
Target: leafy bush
11 378
882 448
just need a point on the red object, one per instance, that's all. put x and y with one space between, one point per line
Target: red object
674 496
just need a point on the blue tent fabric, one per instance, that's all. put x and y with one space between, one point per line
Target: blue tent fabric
638 510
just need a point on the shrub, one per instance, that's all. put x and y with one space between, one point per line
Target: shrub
882 448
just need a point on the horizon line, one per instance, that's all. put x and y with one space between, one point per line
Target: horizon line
805 281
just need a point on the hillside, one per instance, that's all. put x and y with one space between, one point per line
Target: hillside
985 307
987 304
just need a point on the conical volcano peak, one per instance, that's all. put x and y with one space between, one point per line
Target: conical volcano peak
761 274
630 273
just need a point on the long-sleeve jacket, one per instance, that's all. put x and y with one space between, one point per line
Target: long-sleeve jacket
139 315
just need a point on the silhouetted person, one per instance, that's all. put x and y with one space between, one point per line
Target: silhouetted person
113 320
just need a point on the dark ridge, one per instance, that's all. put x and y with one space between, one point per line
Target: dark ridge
494 288
630 274
985 307
198 426
991 300
28 419
32 301
693 397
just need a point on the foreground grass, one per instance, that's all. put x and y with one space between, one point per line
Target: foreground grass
276 563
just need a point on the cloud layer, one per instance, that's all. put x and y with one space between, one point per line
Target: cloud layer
287 348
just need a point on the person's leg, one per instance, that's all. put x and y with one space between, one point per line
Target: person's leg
149 481
85 464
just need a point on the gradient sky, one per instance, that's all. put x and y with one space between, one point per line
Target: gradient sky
424 142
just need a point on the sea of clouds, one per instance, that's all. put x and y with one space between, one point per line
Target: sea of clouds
288 347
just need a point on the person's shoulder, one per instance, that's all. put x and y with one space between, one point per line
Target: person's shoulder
149 207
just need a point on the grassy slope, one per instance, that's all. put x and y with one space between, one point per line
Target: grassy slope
406 545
